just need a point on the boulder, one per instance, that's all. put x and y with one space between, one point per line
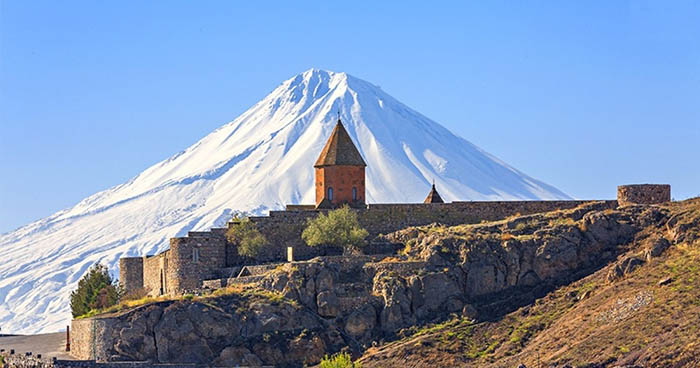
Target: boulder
624 267
468 311
237 356
361 321
484 277
327 304
656 247
309 351
438 287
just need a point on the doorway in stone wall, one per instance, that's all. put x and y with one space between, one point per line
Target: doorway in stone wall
162 288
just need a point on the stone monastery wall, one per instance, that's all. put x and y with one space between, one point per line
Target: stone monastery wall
208 255
643 194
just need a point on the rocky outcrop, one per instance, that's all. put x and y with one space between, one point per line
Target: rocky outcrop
239 329
311 308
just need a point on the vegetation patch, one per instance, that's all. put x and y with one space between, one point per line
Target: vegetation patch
340 360
339 228
96 290
246 235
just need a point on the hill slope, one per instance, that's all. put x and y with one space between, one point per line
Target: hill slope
639 311
262 160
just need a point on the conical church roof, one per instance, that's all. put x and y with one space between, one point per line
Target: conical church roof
340 150
433 196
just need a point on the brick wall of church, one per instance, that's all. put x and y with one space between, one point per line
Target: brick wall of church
342 179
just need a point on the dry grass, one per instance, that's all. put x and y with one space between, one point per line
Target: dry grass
652 325
507 236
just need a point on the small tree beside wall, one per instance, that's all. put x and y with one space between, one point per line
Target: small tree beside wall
248 238
96 290
339 228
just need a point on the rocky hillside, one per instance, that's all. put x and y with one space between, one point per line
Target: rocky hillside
591 286
640 310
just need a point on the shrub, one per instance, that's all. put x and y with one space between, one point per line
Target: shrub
96 290
339 228
340 360
249 240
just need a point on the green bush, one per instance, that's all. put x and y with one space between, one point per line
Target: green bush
340 360
249 240
96 290
339 228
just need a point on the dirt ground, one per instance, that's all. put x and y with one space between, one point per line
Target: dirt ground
48 345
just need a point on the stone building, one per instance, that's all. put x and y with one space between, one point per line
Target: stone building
340 172
207 258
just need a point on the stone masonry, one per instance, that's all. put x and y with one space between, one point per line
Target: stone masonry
208 255
643 194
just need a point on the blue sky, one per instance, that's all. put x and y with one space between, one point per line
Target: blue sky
583 95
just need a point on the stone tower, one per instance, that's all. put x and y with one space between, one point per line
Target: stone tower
340 172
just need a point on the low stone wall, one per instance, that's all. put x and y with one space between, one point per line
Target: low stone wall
82 339
643 194
90 338
24 361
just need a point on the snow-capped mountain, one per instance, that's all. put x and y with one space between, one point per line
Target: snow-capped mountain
261 160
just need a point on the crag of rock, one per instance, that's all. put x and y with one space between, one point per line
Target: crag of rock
485 273
640 309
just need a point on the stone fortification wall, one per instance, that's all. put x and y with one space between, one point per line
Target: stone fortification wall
643 194
153 270
283 228
181 272
131 273
386 218
90 338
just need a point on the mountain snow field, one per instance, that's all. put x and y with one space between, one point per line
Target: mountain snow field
262 160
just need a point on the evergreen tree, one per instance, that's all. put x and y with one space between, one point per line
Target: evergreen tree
96 290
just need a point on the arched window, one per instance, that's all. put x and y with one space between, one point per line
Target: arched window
354 193
330 193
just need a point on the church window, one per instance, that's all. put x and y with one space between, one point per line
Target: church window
195 255
354 193
330 193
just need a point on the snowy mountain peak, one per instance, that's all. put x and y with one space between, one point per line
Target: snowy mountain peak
262 160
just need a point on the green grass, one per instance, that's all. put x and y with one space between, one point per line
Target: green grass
340 360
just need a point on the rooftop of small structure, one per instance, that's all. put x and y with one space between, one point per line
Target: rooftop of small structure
433 196
340 150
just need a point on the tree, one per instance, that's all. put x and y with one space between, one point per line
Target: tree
339 228
244 233
96 290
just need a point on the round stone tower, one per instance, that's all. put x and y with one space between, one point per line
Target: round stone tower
643 194
131 273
